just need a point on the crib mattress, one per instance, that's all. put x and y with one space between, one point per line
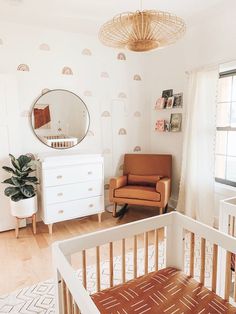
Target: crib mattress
167 291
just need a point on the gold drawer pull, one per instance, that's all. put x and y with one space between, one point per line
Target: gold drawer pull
59 177
90 172
60 194
91 205
60 211
90 189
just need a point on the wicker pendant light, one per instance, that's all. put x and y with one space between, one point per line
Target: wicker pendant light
142 30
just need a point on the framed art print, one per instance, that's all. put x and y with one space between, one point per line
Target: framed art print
175 122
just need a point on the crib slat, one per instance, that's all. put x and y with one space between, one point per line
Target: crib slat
76 309
64 299
214 267
135 256
98 268
84 269
231 225
203 260
192 246
123 260
69 301
156 245
146 253
111 263
227 275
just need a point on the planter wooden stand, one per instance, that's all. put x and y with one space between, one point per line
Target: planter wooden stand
33 217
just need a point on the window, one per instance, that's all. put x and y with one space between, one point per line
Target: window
225 159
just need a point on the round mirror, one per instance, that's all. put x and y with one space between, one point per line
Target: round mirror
60 119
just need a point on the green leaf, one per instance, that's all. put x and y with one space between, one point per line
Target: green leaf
8 181
14 162
17 197
27 191
8 169
31 179
10 191
17 182
23 160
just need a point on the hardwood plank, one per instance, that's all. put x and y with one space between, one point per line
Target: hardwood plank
20 258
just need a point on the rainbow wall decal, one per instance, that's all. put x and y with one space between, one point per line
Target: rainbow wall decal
45 90
44 47
137 114
106 114
137 77
88 93
23 67
67 71
122 132
86 52
121 56
122 95
104 75
137 149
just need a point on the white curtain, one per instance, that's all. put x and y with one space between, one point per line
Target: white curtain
196 196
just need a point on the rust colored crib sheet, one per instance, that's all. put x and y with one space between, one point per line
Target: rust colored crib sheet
167 291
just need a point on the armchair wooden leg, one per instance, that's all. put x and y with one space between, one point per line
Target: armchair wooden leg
161 210
114 210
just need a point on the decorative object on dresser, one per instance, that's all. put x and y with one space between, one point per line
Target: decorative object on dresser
71 186
22 191
60 119
146 181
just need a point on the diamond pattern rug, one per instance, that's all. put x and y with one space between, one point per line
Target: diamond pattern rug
39 298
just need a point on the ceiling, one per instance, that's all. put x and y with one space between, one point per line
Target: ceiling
87 15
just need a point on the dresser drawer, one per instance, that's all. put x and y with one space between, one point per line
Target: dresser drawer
73 174
73 209
71 192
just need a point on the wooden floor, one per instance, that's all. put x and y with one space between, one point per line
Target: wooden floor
27 260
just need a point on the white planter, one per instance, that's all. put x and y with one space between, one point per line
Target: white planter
24 208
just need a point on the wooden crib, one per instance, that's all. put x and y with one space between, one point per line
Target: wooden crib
71 293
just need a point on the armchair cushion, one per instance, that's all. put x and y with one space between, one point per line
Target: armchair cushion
144 180
138 192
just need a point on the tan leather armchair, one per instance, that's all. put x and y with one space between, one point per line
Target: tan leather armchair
146 181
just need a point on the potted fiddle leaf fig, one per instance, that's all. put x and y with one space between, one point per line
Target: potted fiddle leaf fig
22 186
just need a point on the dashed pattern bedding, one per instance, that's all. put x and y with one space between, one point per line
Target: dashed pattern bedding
168 291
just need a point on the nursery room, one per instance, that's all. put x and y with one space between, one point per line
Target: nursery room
118 156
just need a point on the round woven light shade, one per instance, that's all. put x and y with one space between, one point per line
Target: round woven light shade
142 30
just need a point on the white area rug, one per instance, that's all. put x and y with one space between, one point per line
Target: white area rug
40 298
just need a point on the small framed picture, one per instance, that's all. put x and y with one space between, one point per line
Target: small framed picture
160 104
175 122
178 100
167 93
167 126
160 126
170 102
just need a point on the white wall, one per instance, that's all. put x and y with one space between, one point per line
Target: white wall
210 41
89 81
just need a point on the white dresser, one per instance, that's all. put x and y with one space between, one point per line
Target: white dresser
71 186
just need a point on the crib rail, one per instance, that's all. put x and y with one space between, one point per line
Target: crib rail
227 224
72 296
